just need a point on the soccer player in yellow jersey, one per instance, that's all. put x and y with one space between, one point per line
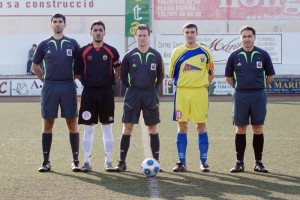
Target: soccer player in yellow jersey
192 69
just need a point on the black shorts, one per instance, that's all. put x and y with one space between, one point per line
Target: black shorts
137 100
96 105
249 105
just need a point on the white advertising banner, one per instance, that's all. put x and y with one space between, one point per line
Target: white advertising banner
221 45
33 87
5 87
219 86
67 7
168 87
26 87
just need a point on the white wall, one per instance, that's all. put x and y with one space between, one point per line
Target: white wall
20 30
14 49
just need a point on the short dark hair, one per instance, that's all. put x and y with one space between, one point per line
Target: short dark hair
34 45
58 15
141 27
248 28
190 25
97 23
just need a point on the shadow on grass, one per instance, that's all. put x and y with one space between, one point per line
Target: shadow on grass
211 185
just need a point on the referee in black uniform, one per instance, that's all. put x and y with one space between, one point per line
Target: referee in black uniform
142 72
249 70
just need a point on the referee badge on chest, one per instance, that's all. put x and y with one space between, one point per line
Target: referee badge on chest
259 64
69 52
153 66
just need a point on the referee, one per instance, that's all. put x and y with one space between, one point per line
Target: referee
249 70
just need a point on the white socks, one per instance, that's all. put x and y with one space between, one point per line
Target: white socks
108 141
87 142
88 137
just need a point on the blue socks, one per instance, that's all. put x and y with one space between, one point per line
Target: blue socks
203 146
182 144
181 147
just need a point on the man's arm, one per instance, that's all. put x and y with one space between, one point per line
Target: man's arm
160 72
38 71
117 68
229 80
124 71
78 64
269 80
210 78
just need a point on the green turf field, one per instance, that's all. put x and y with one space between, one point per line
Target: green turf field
20 157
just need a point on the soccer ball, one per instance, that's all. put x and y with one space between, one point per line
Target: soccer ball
150 167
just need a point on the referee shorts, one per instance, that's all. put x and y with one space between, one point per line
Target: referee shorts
137 100
59 93
249 106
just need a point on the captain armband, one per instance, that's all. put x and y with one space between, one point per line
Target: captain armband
211 72
117 64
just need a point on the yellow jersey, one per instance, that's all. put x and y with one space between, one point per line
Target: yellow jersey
189 67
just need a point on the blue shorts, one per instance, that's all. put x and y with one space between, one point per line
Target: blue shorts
59 93
137 100
249 106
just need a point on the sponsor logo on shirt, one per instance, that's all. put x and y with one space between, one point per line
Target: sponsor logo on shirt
69 52
111 119
153 66
90 58
259 64
188 67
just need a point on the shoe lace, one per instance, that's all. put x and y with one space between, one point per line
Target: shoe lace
205 165
121 164
260 165
76 163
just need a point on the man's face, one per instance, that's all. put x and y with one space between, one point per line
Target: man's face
142 37
34 48
98 33
247 39
58 25
190 35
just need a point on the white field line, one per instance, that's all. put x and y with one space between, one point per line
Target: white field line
152 182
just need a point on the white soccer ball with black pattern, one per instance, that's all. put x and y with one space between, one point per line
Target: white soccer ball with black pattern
150 167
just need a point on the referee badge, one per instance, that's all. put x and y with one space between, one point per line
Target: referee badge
69 52
259 64
153 66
